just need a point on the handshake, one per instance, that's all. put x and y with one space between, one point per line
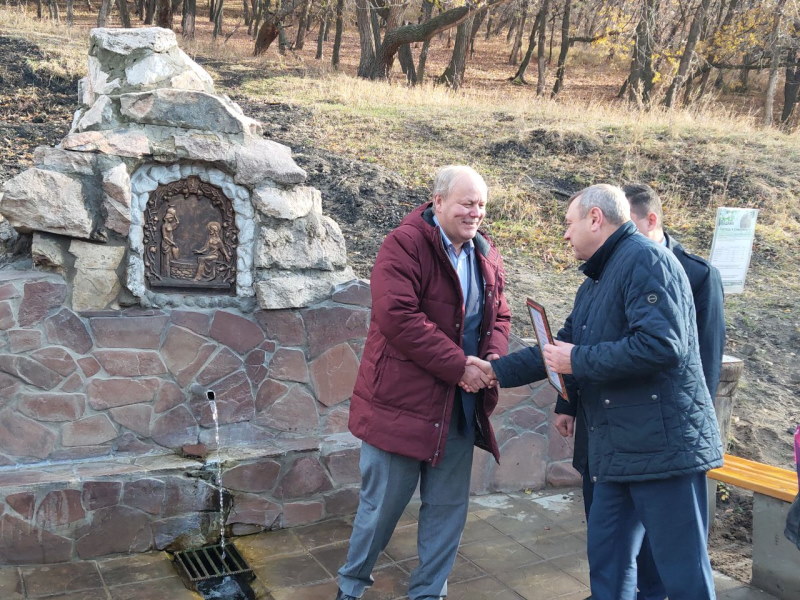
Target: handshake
478 374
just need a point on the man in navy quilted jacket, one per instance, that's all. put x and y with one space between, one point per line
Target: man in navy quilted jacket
630 355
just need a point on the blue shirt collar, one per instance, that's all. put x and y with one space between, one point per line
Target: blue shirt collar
466 246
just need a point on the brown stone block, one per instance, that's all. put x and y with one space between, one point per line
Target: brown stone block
169 396
341 502
65 328
23 340
562 474
483 465
343 466
234 399
78 453
144 494
52 406
260 476
90 431
301 513
127 331
73 383
38 299
175 428
356 292
108 393
23 544
327 327
223 363
256 366
23 503
8 291
526 418
89 366
183 532
130 363
305 477
184 495
335 421
296 411
9 388
57 359
544 395
116 529
7 320
523 464
235 331
194 321
333 374
24 437
29 371
249 509
130 443
559 447
135 417
512 397
59 507
289 365
268 392
283 326
100 494
185 353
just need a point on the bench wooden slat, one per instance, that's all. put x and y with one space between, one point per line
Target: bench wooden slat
751 475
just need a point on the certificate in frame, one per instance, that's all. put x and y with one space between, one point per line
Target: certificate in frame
541 328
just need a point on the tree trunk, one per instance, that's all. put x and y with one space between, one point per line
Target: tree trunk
323 32
271 28
688 53
164 13
453 75
337 40
149 11
39 9
374 22
541 51
217 18
791 87
124 15
102 15
189 18
427 11
561 65
489 25
513 58
300 40
407 63
519 76
365 36
476 25
640 81
247 16
772 84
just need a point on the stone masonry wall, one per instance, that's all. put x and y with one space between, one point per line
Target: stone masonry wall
107 443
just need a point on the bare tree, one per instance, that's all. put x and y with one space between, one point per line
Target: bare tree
688 53
541 59
337 40
453 75
642 74
774 63
188 18
300 40
561 66
516 48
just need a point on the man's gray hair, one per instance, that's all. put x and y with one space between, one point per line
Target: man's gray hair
446 178
609 199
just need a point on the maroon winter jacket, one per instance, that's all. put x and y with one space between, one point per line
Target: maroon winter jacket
412 358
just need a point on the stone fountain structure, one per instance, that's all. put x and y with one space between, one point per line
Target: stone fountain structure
175 250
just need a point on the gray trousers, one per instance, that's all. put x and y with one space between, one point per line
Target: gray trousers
387 484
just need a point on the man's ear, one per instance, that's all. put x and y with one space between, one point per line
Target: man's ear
597 217
652 221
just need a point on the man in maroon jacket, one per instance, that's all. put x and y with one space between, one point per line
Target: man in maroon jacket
437 297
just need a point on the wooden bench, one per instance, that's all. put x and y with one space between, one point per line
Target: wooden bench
776 561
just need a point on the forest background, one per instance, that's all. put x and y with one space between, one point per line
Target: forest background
695 97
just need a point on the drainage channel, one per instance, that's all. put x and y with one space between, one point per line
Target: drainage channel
216 572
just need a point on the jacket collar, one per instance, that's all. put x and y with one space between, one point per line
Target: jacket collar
481 243
594 266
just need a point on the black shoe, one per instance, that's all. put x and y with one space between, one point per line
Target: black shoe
342 596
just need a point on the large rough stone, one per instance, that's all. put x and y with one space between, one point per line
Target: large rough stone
59 507
130 363
235 331
262 159
49 252
305 477
312 242
289 289
293 203
188 110
96 284
39 298
333 374
125 41
117 199
562 474
343 466
21 544
116 529
184 495
255 477
205 146
523 465
329 326
24 437
100 115
109 393
355 292
46 201
127 331
184 532
115 142
94 430
52 406
64 161
66 329
268 392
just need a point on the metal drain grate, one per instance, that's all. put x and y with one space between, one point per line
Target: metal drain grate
210 562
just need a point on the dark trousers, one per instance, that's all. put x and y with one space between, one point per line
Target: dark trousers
648 581
674 513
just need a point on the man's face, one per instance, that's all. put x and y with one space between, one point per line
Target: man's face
579 231
461 212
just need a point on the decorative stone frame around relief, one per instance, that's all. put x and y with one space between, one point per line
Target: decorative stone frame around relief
146 179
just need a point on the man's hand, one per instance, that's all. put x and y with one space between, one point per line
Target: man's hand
558 357
478 375
565 424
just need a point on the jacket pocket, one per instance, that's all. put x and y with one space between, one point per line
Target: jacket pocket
635 421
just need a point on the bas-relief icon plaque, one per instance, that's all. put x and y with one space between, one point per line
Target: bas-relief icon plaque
190 239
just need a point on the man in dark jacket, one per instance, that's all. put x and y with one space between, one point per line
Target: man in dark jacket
437 297
706 284
629 351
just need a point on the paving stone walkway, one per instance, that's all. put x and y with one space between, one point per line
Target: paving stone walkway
515 546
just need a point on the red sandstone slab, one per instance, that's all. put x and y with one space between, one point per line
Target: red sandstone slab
305 477
333 374
89 431
24 437
198 322
223 363
21 544
255 477
52 406
236 331
29 371
130 363
127 331
55 358
8 291
135 417
284 326
24 340
295 411
7 320
65 328
326 327
59 507
289 364
108 393
38 299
